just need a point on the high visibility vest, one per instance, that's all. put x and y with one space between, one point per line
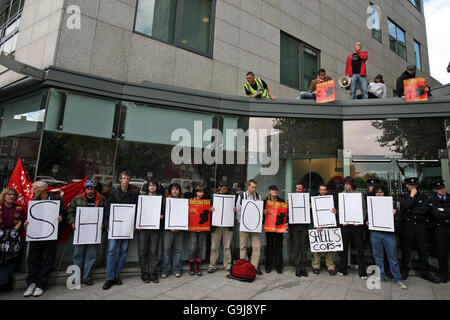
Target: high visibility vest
260 86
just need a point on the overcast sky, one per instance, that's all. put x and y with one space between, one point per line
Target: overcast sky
437 17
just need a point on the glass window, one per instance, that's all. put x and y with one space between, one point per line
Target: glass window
184 23
397 39
417 4
299 63
22 116
417 53
376 29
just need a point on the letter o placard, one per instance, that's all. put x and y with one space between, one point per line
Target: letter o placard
251 217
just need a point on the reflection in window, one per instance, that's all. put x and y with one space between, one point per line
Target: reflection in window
418 57
184 23
397 39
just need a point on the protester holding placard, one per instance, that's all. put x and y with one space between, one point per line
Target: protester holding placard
42 254
410 73
224 234
385 241
11 219
440 211
311 93
329 256
352 233
255 239
173 242
197 239
415 209
298 235
274 240
148 239
84 255
124 194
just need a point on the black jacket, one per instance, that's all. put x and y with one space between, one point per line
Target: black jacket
440 209
400 88
117 196
414 209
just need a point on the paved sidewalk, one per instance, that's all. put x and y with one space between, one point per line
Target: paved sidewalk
217 287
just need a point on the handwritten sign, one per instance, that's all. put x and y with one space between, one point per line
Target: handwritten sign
325 92
43 220
223 215
276 217
199 215
299 212
327 240
88 225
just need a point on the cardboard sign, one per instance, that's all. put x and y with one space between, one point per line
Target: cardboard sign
323 217
351 208
299 208
327 240
177 214
199 215
88 226
252 216
223 215
325 92
121 221
276 217
43 220
415 89
380 211
149 212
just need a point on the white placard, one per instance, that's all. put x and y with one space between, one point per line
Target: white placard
299 212
43 220
88 225
380 212
223 215
351 208
323 217
149 212
121 221
177 214
327 240
252 216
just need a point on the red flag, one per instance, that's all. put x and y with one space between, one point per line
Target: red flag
22 183
68 193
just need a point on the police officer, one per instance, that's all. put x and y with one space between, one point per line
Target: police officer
370 187
415 209
440 211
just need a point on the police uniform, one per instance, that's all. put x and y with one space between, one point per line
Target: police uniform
415 213
440 211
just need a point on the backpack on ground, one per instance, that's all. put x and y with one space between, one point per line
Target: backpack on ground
242 270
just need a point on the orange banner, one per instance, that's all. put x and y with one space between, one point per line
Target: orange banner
276 217
199 215
325 92
415 89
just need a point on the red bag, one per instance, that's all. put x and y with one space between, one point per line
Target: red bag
242 270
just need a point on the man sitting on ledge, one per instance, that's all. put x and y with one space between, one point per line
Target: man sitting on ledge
311 93
256 87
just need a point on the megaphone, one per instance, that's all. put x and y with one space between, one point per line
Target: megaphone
344 82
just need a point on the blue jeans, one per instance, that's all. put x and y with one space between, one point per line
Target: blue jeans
175 240
307 95
387 240
84 255
361 82
113 266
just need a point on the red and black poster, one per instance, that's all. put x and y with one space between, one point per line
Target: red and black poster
276 217
415 89
199 215
325 92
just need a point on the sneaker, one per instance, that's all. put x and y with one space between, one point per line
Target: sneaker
30 290
108 284
363 277
401 285
341 274
211 269
178 275
164 276
38 292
